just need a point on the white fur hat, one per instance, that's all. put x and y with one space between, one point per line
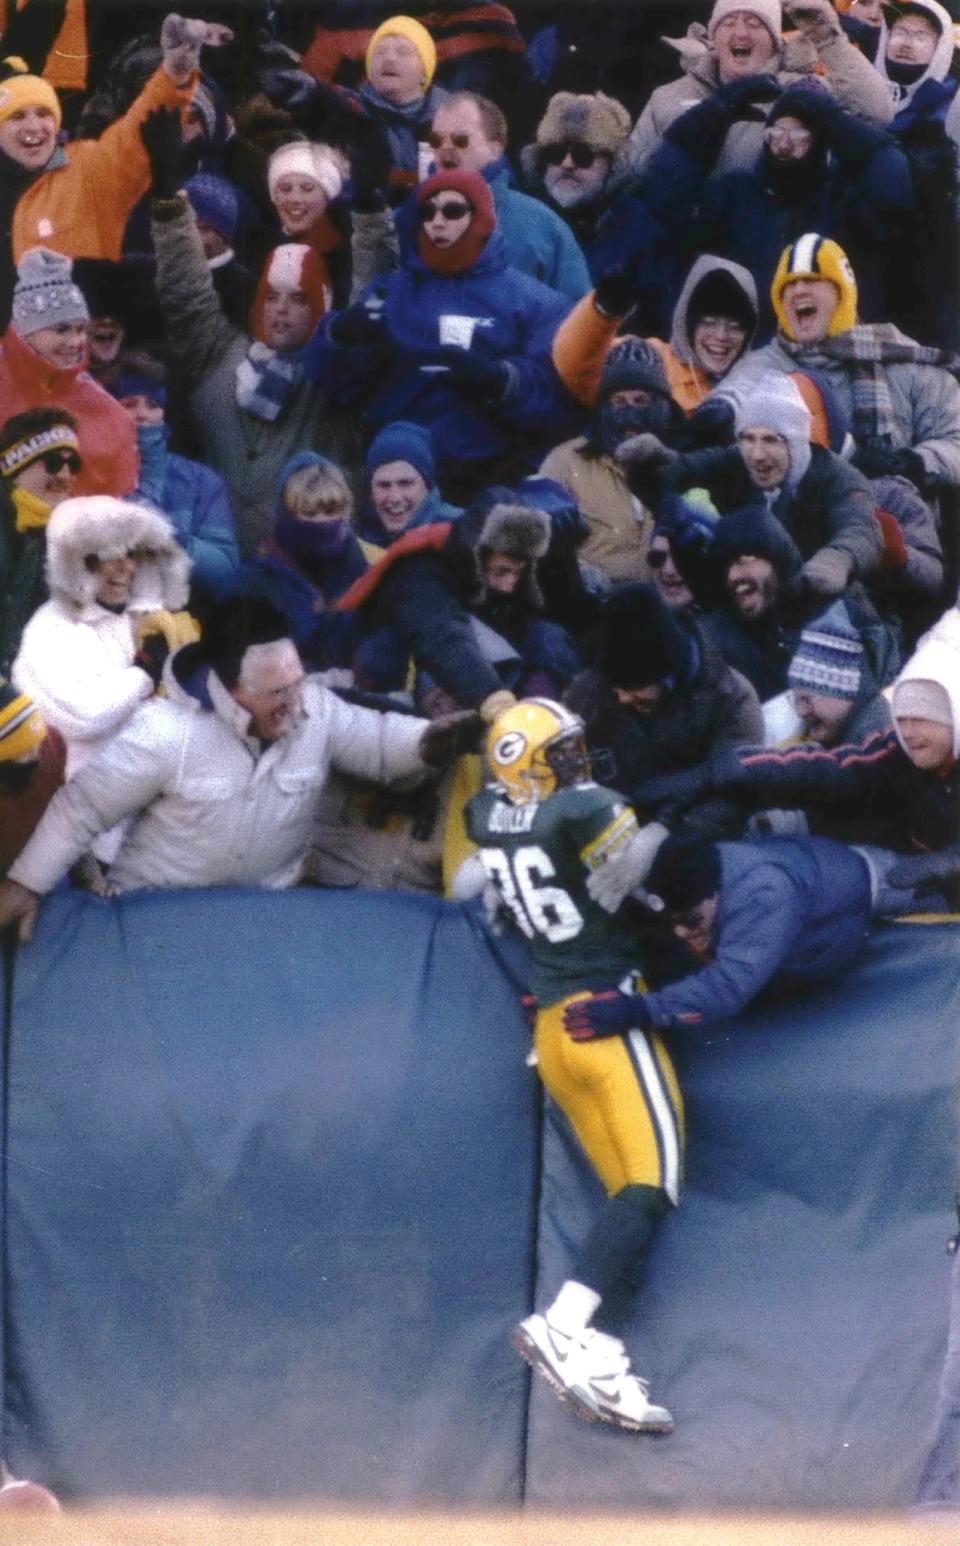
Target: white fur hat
318 162
769 12
100 526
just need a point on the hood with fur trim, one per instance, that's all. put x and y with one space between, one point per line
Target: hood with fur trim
104 527
521 531
936 659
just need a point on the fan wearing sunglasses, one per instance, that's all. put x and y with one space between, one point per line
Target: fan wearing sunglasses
582 164
457 340
39 462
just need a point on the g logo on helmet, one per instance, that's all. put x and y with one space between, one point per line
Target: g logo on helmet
509 748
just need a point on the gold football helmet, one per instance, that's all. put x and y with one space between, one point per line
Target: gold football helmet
536 748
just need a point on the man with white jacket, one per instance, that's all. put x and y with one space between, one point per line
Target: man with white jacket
223 774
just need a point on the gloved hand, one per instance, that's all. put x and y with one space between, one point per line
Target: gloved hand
151 656
926 872
323 112
739 96
605 1014
496 704
646 450
712 424
160 132
876 459
477 378
615 292
673 791
448 737
827 572
180 42
290 89
360 327
816 19
627 868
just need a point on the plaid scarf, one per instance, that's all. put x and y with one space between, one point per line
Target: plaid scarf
865 350
265 380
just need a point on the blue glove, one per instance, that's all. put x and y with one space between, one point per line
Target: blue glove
605 1014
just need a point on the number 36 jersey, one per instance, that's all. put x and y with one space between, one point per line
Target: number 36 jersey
539 856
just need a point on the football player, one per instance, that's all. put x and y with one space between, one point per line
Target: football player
558 852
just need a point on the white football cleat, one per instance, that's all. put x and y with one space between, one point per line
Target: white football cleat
592 1372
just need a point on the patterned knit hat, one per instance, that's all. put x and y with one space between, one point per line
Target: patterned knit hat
19 89
45 294
21 726
817 257
291 266
829 656
407 27
630 364
19 449
214 201
596 120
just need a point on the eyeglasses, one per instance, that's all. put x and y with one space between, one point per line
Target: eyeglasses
459 141
451 210
580 154
728 326
55 461
915 34
777 134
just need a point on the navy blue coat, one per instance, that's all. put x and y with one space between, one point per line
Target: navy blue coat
792 912
515 320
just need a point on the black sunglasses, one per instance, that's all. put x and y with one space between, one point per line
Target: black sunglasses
55 461
581 155
657 557
435 140
451 210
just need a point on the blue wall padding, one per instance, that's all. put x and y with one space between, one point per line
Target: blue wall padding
275 1200
794 1312
271 1200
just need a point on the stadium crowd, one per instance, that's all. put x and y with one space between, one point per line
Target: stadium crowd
364 374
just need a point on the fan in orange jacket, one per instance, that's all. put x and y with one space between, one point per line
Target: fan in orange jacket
42 359
80 202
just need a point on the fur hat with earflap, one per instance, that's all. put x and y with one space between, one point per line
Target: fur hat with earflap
495 523
99 526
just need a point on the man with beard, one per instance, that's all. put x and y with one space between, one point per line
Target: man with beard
582 164
633 399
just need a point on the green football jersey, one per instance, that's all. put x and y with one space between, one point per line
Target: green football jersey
539 856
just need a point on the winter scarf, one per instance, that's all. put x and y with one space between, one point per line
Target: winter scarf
866 348
33 513
265 380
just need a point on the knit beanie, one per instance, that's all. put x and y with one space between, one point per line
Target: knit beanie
45 294
596 120
214 201
407 27
920 699
686 871
719 295
461 254
20 89
776 404
321 163
18 450
829 656
402 442
631 364
753 532
817 257
291 266
21 727
769 12
137 383
640 640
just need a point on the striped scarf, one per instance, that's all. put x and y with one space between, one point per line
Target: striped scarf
265 380
865 349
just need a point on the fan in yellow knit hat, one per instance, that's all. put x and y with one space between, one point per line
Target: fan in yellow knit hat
21 726
416 35
20 89
817 257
